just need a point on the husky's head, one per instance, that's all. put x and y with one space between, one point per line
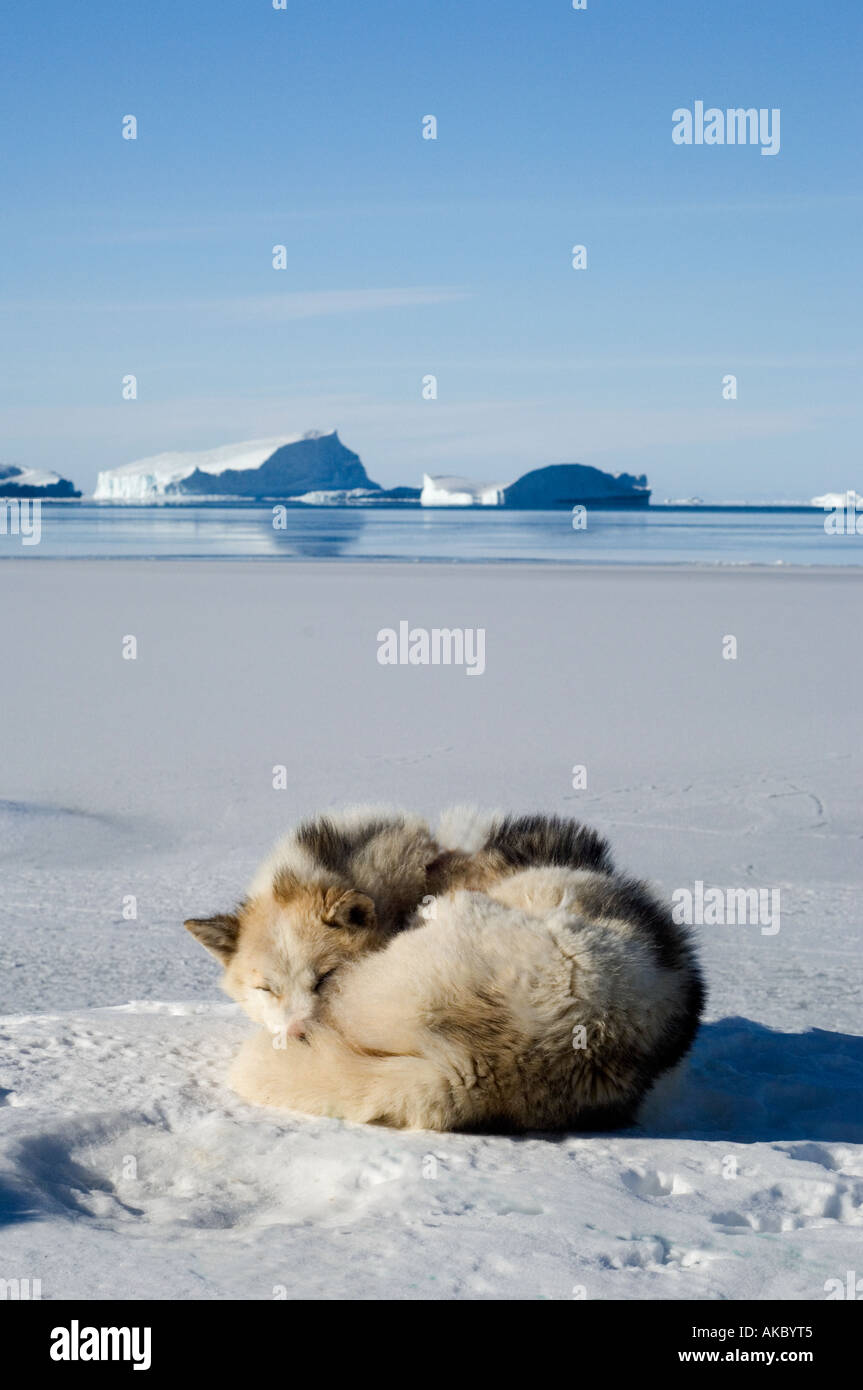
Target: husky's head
282 948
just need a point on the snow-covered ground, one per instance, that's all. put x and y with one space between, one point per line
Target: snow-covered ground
126 1167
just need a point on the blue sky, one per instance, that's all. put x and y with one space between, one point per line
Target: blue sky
452 257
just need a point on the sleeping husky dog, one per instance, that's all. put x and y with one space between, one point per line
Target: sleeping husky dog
341 885
333 890
551 999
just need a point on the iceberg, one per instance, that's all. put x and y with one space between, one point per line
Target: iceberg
33 482
577 484
558 485
833 501
442 490
316 469
335 497
287 466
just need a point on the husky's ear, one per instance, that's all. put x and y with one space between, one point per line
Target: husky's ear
218 935
349 909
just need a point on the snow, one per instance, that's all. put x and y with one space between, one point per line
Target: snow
147 478
442 490
127 1169
156 1181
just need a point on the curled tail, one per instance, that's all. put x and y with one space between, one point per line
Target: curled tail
524 842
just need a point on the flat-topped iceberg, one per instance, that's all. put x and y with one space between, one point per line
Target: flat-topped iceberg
832 501
287 466
443 490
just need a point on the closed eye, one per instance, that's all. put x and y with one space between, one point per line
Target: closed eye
265 989
323 978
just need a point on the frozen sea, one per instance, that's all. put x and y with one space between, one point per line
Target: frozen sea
129 1170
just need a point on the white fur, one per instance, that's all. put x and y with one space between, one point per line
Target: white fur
468 1018
287 855
464 828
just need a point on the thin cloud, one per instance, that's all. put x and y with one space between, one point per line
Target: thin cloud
277 308
306 304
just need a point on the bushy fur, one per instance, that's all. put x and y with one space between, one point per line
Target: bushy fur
461 1014
479 850
336 888
526 1007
